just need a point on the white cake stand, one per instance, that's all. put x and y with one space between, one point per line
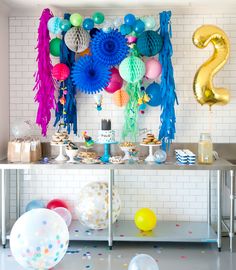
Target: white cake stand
61 156
150 157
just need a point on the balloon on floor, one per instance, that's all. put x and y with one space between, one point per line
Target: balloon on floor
143 262
93 205
39 239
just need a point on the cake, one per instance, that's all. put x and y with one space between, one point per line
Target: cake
106 134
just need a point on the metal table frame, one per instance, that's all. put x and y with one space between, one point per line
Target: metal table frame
220 176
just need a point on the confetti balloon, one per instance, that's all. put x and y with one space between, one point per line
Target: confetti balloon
60 72
54 25
77 39
76 19
92 207
153 69
121 98
143 262
145 219
65 214
39 239
132 69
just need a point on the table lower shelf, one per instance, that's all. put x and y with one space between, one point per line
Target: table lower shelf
165 231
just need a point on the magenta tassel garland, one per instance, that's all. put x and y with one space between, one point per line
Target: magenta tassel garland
44 83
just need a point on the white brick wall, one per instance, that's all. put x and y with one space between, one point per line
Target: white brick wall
174 195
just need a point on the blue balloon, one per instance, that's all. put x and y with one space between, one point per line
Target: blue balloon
54 25
129 19
125 29
34 205
154 93
88 24
139 26
65 25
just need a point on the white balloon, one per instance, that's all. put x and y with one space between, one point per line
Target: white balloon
39 239
21 128
65 214
143 262
92 207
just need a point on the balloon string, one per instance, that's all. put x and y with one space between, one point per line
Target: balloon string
210 120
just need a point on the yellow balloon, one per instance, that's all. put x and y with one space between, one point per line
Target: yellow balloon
145 219
203 87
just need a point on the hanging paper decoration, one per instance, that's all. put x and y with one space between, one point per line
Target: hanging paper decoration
55 45
60 72
77 39
109 48
120 98
142 102
54 25
130 127
66 107
89 75
44 84
153 69
115 82
149 43
154 93
168 94
132 69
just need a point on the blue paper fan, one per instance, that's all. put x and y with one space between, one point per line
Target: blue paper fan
89 75
109 48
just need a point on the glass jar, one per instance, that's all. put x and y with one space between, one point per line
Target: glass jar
205 149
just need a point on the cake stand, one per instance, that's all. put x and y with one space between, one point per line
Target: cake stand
60 157
106 154
150 157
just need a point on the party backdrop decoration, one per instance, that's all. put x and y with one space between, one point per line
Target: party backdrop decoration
149 43
109 48
168 94
65 24
115 82
44 83
60 72
153 69
98 17
54 25
55 45
121 98
92 207
154 92
76 19
204 90
67 112
89 75
39 239
77 39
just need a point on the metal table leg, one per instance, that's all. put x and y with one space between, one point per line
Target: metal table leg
231 225
219 215
110 185
17 193
3 208
209 198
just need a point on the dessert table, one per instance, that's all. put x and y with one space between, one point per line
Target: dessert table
166 231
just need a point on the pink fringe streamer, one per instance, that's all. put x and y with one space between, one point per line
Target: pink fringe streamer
44 83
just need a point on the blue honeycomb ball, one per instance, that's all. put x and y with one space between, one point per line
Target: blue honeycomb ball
89 75
109 48
149 43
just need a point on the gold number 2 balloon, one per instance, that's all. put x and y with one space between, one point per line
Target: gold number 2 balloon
203 87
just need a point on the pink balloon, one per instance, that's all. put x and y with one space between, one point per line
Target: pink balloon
153 69
116 81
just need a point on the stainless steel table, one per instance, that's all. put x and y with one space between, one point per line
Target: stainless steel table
166 231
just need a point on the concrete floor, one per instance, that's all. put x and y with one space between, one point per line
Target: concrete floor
87 256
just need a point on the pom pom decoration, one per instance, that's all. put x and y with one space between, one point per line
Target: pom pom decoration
115 82
55 45
154 93
153 69
88 24
60 72
54 25
120 98
89 75
109 48
76 19
77 39
132 69
44 83
149 43
98 17
168 94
